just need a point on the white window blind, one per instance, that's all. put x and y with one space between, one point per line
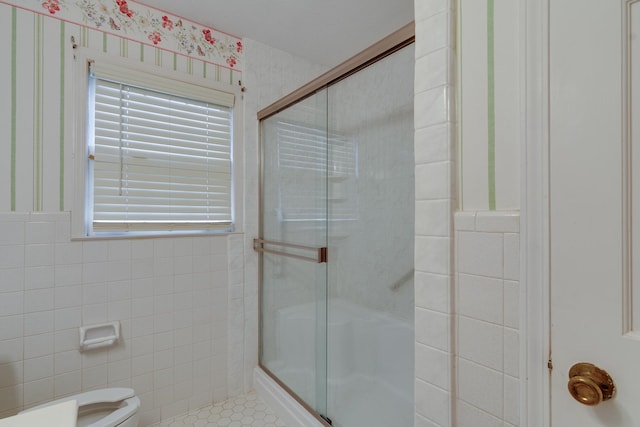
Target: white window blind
160 154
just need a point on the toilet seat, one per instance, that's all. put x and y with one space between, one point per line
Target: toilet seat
99 399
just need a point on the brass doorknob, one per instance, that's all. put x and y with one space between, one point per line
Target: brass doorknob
589 384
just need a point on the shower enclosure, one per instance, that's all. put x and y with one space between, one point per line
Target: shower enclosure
336 244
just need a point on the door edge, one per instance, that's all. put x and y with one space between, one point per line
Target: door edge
535 396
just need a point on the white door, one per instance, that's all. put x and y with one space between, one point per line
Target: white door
593 61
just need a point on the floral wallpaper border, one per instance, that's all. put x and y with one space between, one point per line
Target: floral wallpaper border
140 23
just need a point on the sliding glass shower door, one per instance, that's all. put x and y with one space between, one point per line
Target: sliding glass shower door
337 238
294 233
371 196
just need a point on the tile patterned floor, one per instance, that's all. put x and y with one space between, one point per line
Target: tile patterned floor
242 411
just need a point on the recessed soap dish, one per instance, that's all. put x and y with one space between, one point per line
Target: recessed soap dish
98 336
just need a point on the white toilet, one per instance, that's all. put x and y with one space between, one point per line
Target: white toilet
108 407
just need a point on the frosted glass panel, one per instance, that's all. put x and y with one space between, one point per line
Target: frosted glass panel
294 211
371 234
338 172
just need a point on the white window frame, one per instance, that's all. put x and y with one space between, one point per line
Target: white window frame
80 223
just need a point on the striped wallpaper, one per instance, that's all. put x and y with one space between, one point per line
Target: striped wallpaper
36 109
489 104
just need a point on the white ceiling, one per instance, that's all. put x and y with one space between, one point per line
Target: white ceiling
326 32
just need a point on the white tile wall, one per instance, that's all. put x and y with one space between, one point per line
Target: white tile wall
435 200
171 295
487 312
486 249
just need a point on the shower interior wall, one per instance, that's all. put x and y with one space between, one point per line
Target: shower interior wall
373 243
352 170
371 260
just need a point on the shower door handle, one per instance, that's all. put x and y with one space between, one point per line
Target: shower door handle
320 254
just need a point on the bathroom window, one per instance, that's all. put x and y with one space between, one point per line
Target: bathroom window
159 154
